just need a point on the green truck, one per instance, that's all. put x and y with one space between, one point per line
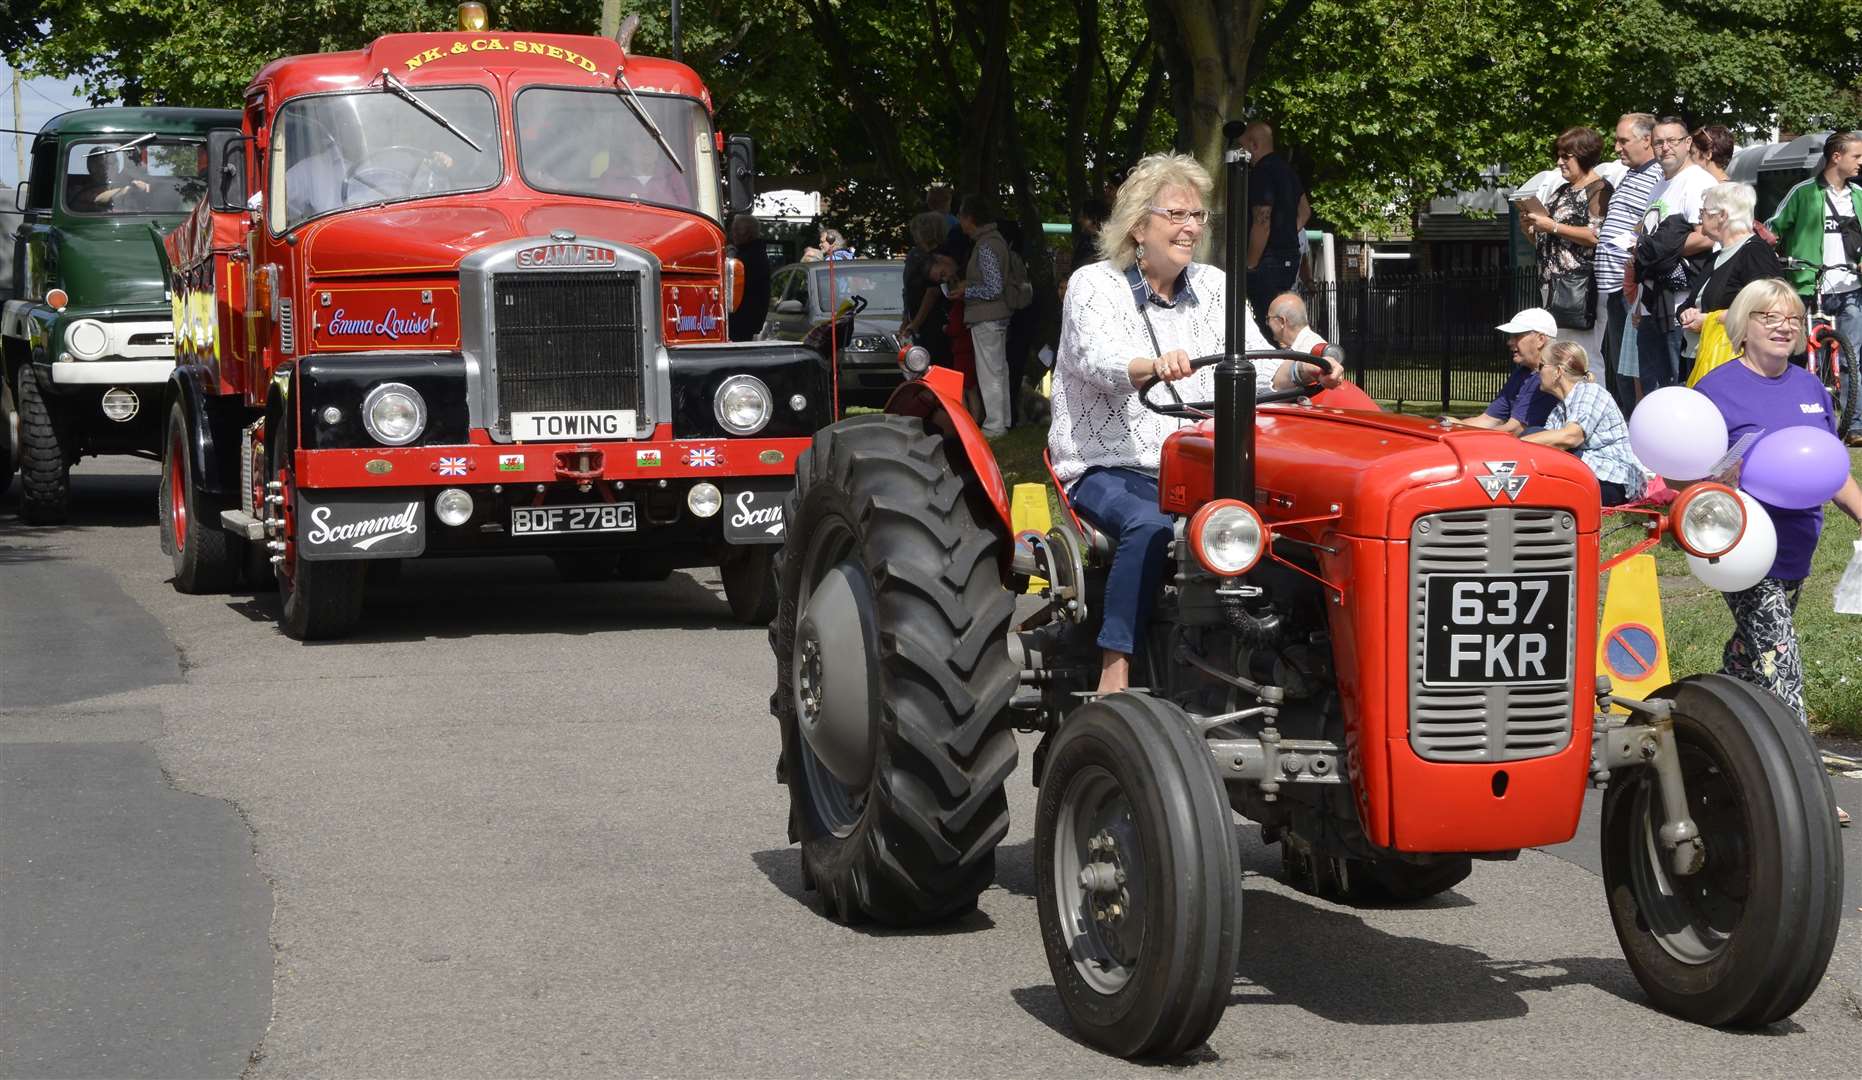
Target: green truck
87 328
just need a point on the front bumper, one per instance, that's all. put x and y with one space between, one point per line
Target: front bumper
662 458
112 372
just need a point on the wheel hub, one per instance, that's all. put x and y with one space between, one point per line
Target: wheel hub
836 676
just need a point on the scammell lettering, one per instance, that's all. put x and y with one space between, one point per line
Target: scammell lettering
366 533
565 255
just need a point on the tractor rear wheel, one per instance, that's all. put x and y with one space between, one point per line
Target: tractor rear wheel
44 455
893 674
1138 889
1744 940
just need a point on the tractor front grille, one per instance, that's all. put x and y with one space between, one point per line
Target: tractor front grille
566 341
1497 722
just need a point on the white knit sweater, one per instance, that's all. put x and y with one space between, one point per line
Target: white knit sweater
1098 419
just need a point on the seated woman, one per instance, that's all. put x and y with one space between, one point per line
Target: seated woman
1147 310
1587 422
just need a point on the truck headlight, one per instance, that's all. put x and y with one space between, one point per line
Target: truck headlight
704 500
742 404
394 414
1228 537
1708 520
453 506
87 339
880 343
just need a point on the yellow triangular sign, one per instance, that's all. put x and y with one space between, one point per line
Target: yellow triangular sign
1028 512
1632 646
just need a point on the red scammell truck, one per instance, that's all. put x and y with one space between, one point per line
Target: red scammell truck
465 293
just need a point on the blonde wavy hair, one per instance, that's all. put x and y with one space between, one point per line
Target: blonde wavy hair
1763 295
1139 193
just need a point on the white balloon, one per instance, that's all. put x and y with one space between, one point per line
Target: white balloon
1678 432
1751 558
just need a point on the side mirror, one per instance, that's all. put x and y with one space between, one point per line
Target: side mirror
20 196
740 173
226 171
788 307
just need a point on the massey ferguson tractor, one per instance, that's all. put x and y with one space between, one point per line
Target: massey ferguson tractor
1375 640
465 294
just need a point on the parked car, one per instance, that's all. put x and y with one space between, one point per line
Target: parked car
803 295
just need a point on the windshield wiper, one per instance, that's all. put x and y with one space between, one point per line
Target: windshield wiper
640 111
400 90
130 145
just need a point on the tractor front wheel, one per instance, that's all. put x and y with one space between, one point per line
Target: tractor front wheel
1138 889
893 674
1743 940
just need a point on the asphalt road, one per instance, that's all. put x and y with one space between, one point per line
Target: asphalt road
518 827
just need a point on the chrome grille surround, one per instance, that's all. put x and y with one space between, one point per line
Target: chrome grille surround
1489 723
575 337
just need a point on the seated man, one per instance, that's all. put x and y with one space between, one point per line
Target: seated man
1521 406
1287 322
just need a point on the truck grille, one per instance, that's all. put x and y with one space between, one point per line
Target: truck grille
566 341
1488 723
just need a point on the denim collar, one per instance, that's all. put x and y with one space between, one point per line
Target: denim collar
1141 290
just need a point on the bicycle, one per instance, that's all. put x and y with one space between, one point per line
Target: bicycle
1829 356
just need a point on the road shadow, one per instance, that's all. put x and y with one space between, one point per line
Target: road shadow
441 599
783 868
1042 1002
20 554
99 500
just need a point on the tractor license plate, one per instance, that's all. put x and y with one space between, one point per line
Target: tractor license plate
1500 628
554 520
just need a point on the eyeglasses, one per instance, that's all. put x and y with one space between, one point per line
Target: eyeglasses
1772 320
1676 141
1179 217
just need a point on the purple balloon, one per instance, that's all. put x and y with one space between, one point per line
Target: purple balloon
1796 468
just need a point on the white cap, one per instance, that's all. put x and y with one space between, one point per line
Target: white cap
1533 320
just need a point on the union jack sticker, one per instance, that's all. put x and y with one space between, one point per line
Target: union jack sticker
454 466
702 457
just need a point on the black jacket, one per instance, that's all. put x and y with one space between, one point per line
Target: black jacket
1715 289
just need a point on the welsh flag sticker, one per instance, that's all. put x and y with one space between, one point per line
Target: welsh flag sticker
510 463
646 459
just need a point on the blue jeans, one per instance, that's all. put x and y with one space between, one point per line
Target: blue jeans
1658 353
1122 503
1847 310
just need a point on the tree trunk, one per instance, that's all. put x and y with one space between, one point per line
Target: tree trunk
874 119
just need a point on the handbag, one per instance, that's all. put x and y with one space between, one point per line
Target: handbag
1715 347
1571 297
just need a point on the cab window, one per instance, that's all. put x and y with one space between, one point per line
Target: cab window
134 175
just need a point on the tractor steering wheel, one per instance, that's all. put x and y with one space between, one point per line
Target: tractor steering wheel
1199 410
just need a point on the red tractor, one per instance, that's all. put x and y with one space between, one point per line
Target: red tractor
1375 639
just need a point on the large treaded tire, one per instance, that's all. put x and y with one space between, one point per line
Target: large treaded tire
9 435
1130 770
317 601
44 457
204 555
875 495
1744 941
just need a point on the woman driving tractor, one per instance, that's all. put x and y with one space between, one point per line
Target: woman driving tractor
1147 310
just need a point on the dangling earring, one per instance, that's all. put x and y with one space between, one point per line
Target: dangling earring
1140 252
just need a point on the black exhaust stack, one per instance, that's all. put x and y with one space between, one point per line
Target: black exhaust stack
1234 376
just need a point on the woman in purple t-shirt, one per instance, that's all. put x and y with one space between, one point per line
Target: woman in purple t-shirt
1760 390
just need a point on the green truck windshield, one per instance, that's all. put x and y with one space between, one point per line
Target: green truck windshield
128 175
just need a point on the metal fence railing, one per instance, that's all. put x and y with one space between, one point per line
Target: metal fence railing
1421 340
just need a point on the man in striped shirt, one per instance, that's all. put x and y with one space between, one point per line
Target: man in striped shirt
1634 192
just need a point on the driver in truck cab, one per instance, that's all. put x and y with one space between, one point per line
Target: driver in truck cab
1145 311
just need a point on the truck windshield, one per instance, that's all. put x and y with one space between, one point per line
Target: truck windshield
332 151
155 176
587 142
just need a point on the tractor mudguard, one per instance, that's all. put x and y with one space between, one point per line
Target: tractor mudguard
937 399
213 427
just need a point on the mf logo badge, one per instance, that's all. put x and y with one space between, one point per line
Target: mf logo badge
1502 477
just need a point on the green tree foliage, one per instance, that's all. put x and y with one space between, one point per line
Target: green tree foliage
1384 103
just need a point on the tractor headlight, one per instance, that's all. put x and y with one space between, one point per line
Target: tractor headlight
453 506
742 404
1228 537
86 339
1708 520
394 414
915 359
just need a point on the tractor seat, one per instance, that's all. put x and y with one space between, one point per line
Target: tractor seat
1098 546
